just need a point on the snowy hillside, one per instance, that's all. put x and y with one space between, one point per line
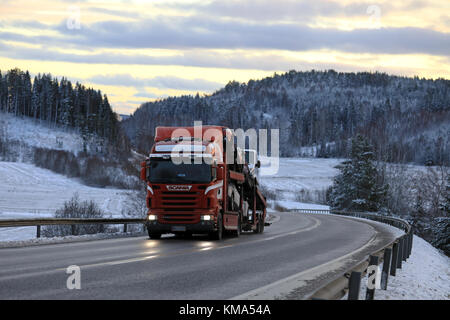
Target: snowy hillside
34 133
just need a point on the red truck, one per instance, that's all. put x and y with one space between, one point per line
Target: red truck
198 182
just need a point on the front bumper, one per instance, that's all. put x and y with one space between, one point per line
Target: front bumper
201 227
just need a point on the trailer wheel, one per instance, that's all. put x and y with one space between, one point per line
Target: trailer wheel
262 225
238 232
259 226
217 235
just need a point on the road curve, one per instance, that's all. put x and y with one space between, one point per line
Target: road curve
172 268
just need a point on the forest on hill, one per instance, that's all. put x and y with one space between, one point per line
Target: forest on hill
59 102
406 119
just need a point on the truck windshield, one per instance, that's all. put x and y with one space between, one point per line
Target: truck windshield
168 172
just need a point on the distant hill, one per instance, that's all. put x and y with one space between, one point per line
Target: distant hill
407 119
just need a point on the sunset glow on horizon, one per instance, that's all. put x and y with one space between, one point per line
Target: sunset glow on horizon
138 51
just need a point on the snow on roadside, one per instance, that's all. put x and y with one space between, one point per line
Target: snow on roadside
16 243
425 276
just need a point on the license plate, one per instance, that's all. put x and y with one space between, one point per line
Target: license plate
178 228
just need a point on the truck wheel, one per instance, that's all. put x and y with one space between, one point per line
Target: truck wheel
154 235
237 232
262 225
259 226
217 235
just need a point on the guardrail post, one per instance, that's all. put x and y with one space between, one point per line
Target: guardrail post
411 243
354 284
73 229
408 237
408 253
370 293
405 247
125 228
38 231
386 264
394 259
400 253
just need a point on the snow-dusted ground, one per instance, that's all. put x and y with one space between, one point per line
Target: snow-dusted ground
425 276
27 191
300 174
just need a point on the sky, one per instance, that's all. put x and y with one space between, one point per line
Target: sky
137 51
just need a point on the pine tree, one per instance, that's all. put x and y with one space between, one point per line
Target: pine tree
343 191
358 186
35 98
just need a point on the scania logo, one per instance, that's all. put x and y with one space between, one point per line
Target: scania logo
179 188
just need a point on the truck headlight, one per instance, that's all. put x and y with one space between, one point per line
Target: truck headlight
207 218
152 217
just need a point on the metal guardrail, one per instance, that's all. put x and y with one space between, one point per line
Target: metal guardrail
58 221
391 255
310 210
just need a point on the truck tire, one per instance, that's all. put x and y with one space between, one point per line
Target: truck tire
217 235
259 226
238 232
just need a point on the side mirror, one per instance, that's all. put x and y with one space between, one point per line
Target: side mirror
143 171
220 173
258 164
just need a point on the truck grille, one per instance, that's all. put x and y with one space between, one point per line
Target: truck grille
179 218
178 205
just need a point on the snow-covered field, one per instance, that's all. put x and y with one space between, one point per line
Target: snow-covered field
300 174
27 191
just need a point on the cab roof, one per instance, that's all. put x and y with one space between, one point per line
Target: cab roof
207 132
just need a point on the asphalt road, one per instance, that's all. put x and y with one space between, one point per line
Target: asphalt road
173 268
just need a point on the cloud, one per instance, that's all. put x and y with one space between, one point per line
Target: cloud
116 13
145 95
162 82
240 59
30 24
201 32
269 10
289 10
209 28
